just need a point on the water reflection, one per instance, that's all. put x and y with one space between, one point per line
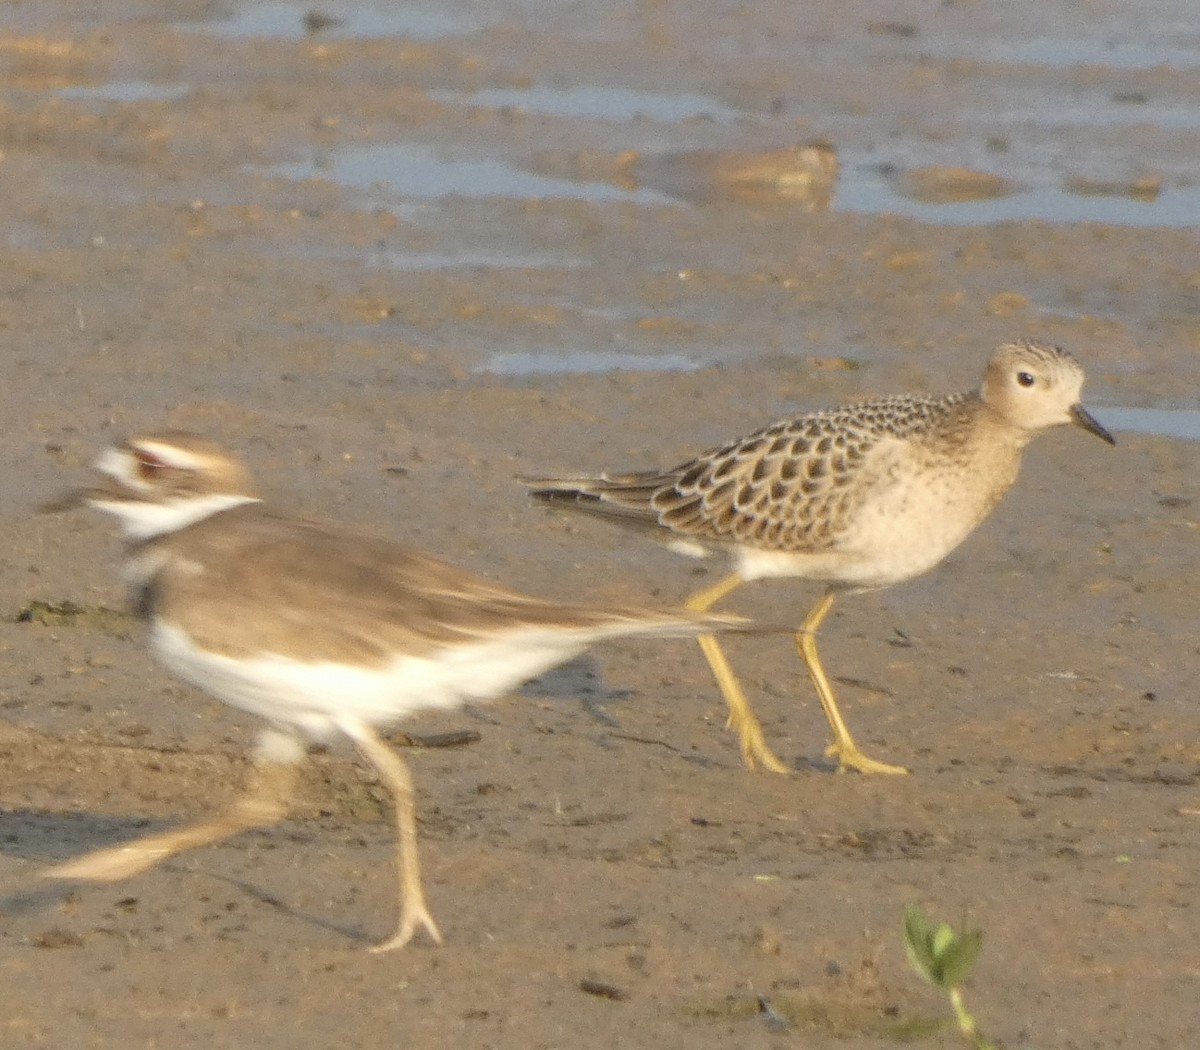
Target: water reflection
802 175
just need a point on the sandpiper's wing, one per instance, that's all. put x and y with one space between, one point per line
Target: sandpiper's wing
793 486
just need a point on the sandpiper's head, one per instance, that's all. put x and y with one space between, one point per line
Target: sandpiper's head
1034 386
158 483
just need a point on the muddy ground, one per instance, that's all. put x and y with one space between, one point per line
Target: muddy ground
605 871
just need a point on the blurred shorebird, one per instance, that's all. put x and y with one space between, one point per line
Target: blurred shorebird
321 631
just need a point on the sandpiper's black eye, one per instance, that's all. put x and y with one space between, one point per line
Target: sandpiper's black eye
1026 378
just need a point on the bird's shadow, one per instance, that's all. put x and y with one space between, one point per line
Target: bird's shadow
577 679
323 922
51 836
581 681
47 838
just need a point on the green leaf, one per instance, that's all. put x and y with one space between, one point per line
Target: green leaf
937 953
943 939
958 960
918 943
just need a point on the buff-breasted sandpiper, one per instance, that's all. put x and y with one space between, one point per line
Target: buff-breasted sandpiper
857 498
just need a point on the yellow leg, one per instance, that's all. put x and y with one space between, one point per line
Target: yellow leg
843 748
264 802
742 719
392 768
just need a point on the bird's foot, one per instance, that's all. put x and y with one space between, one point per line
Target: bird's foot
412 916
755 752
850 757
109 865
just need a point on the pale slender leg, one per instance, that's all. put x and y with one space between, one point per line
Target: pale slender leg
741 718
398 780
843 748
264 802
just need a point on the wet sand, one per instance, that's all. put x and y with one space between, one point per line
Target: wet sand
392 356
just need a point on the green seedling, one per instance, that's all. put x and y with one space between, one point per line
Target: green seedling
945 959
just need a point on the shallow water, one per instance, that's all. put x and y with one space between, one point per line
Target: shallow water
1044 134
1121 49
126 91
597 102
417 171
1163 422
585 363
473 260
339 20
870 191
414 170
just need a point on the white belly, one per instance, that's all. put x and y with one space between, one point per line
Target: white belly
309 696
